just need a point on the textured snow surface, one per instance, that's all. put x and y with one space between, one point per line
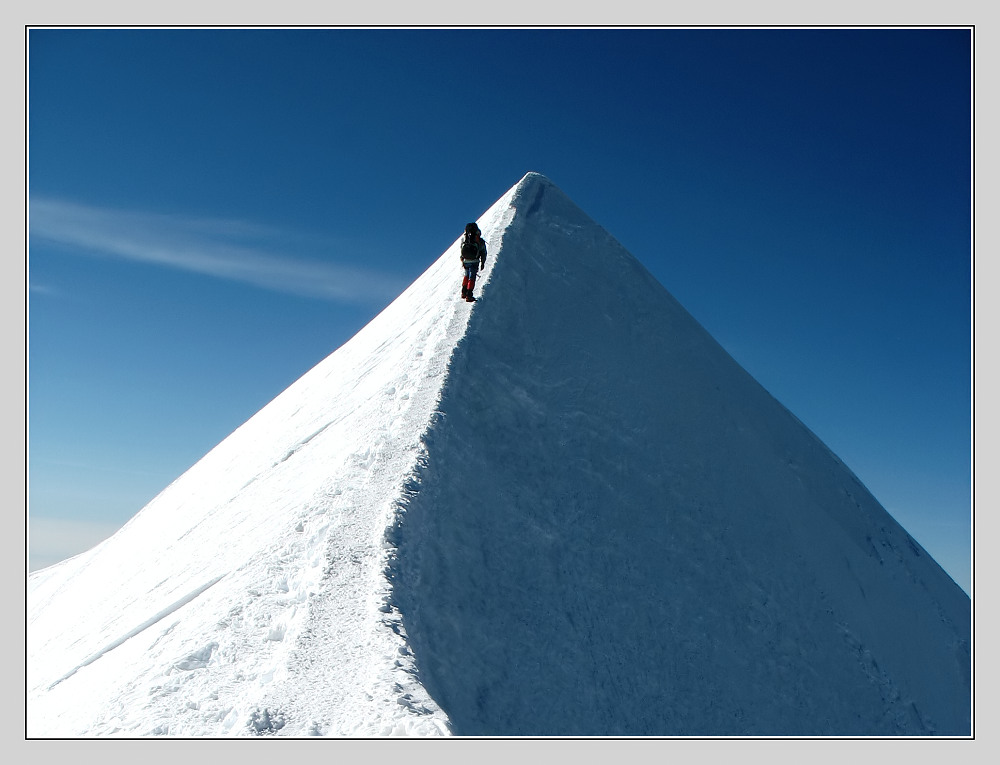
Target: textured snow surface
562 510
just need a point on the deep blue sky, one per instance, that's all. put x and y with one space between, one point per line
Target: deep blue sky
212 212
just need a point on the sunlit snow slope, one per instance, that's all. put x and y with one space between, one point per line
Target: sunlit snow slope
617 531
563 510
249 596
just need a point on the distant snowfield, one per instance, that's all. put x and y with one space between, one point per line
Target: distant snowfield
563 510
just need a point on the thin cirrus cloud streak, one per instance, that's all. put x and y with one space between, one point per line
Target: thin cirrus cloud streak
225 249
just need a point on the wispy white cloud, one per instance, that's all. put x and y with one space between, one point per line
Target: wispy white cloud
225 249
43 289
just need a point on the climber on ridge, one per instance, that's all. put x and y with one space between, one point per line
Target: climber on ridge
473 251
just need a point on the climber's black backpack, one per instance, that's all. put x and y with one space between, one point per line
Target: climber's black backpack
470 251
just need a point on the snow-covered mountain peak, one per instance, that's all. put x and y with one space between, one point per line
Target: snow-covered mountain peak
561 510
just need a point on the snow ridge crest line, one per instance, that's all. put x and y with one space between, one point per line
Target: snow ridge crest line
382 695
413 696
